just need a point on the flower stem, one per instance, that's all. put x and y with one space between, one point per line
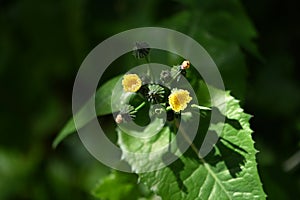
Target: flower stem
140 106
149 71
187 138
173 78
168 108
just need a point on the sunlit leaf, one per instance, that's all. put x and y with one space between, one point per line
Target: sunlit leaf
229 171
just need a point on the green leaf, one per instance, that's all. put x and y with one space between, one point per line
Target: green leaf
116 186
130 144
122 186
103 96
229 171
102 106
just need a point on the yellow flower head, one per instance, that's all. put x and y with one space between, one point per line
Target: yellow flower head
131 83
179 99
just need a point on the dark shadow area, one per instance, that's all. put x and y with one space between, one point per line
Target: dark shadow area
232 122
227 154
233 145
233 160
176 167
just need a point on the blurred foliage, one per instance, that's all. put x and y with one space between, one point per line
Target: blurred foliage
42 44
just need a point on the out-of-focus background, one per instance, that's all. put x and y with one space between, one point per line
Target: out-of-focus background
42 44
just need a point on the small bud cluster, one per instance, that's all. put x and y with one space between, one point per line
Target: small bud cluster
173 100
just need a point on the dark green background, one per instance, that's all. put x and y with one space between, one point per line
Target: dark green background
42 44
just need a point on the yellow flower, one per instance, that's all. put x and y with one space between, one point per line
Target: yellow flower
131 83
179 99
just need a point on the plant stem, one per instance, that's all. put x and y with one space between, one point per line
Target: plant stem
149 71
168 108
186 137
140 106
174 77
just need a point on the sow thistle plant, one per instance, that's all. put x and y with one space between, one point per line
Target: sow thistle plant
228 171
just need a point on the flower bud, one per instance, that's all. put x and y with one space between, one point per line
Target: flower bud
185 64
119 119
141 50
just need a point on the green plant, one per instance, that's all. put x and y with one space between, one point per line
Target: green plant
229 171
